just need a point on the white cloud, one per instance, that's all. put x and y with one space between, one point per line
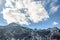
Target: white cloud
8 3
53 6
13 15
36 12
53 9
53 3
55 23
1 2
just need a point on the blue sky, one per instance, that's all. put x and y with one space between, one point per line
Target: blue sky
51 6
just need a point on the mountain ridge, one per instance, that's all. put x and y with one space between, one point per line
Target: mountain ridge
14 31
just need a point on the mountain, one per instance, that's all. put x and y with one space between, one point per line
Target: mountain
14 31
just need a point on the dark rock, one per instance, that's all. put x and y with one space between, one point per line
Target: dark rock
14 31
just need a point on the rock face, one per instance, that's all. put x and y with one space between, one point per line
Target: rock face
14 31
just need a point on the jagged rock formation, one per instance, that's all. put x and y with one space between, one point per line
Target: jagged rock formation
14 31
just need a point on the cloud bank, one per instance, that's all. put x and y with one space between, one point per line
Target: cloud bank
32 11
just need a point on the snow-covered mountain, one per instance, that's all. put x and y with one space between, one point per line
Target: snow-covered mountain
14 31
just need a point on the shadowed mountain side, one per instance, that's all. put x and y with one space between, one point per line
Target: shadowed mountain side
14 31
